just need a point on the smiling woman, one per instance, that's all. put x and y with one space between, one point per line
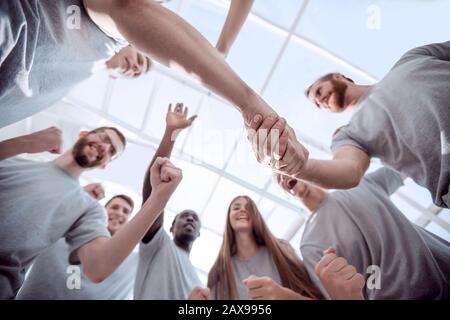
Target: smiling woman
253 264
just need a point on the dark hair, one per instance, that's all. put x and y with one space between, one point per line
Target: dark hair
124 197
120 134
326 77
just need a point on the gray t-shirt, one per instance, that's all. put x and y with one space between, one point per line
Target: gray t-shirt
405 120
367 229
40 204
164 270
47 47
261 265
52 278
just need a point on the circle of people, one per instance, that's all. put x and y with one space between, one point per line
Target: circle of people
56 244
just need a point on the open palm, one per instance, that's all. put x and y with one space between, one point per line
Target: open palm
177 119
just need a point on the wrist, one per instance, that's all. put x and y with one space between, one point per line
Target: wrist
171 133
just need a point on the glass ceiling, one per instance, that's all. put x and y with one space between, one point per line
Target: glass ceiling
283 47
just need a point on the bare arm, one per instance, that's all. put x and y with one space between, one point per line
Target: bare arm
102 256
239 10
175 121
45 140
169 39
344 171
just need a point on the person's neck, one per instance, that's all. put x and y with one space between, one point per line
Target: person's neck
354 94
314 199
246 245
68 164
186 246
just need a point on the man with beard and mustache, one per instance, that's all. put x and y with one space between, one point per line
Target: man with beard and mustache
164 269
51 270
404 120
43 202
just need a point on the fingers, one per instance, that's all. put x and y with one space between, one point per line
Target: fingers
253 282
99 192
337 264
271 143
264 135
324 262
330 250
155 170
348 272
179 107
170 173
191 119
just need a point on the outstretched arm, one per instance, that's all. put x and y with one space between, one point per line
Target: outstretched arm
102 256
176 121
239 10
344 171
49 139
167 38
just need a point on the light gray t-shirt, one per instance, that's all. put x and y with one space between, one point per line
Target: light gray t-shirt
47 47
367 229
261 265
164 270
405 120
40 204
52 278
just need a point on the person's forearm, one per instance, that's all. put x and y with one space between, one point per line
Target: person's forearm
164 150
12 147
239 10
167 38
104 257
332 174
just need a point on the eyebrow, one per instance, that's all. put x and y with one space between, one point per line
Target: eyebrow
108 139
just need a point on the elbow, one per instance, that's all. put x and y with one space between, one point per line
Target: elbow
95 273
354 178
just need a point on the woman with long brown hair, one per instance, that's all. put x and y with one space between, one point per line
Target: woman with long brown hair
253 264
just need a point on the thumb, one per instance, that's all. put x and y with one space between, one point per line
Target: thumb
191 119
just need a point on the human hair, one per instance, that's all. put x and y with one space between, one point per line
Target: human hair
124 197
291 269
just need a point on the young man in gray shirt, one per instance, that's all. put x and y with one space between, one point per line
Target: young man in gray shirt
43 202
403 119
47 48
52 277
398 259
164 270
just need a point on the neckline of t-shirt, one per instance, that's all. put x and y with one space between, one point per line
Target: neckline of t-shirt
61 170
260 251
366 95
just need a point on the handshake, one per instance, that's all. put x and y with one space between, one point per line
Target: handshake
274 143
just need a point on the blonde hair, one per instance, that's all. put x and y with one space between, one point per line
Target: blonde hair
291 269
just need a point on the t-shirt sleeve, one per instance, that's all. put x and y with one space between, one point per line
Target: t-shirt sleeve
440 51
91 225
148 250
387 179
343 137
311 256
